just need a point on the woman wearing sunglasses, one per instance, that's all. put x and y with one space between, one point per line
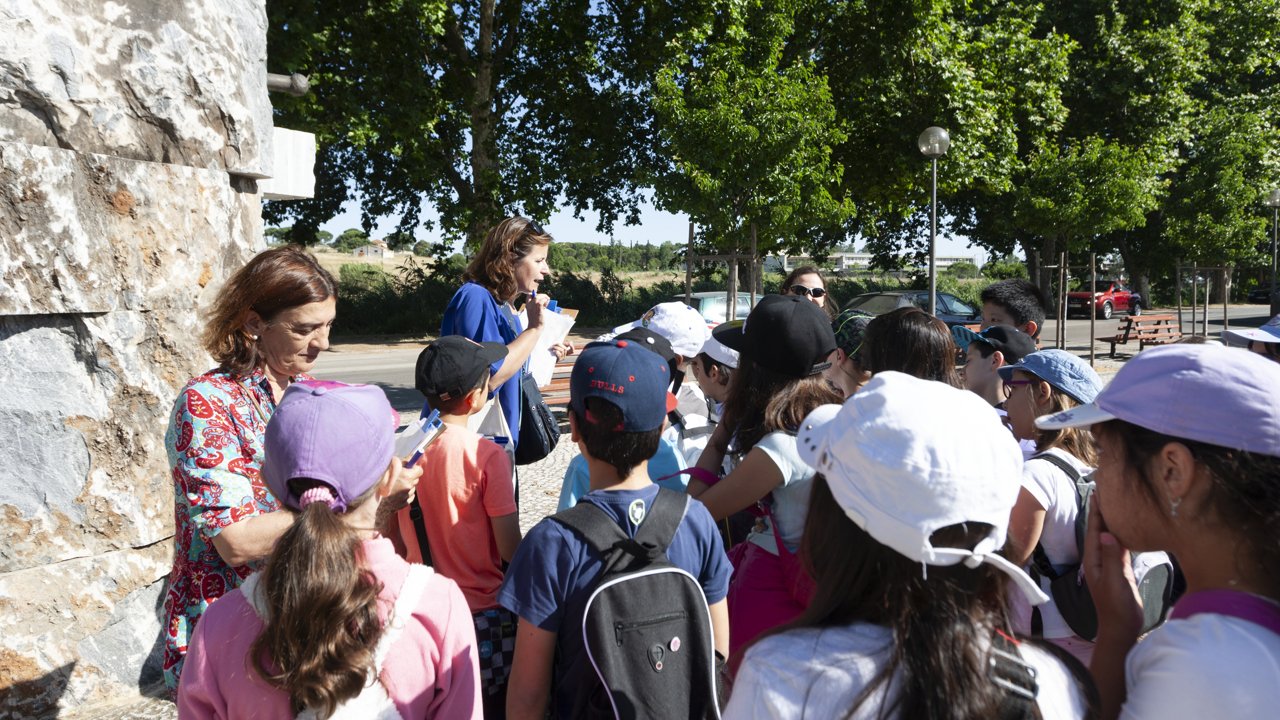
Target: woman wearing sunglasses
807 282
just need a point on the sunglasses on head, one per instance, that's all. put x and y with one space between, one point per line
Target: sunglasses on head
802 290
534 227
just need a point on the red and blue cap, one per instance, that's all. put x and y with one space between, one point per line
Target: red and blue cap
627 375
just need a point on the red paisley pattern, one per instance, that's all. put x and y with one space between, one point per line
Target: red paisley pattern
215 442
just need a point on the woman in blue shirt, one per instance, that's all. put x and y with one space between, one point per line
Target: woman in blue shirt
509 265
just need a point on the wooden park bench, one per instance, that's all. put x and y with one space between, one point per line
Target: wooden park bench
1146 330
557 393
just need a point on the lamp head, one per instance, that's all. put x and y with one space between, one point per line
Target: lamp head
1273 200
934 142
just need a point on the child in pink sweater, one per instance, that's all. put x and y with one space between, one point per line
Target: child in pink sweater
335 607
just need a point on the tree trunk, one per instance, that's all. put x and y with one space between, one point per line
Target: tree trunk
1139 278
485 211
1221 286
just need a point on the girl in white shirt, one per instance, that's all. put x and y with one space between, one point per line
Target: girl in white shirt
1188 440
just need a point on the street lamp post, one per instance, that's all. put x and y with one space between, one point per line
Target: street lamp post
934 143
1273 202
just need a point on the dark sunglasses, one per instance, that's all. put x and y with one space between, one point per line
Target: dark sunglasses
534 227
802 290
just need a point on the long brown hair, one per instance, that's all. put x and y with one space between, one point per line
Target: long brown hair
761 401
911 341
273 281
1075 440
508 242
942 622
318 639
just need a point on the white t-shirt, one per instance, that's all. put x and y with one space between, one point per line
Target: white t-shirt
1055 491
791 499
1204 666
818 673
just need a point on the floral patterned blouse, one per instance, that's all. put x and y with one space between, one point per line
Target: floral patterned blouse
215 445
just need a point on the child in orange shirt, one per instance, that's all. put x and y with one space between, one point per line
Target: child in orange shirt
467 502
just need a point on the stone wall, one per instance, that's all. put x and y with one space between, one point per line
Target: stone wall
130 136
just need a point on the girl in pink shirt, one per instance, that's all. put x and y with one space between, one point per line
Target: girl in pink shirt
337 625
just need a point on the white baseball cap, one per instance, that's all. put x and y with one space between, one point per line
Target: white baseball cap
905 457
1268 333
680 324
720 352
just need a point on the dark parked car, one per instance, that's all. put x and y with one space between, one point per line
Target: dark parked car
1260 295
951 309
1107 297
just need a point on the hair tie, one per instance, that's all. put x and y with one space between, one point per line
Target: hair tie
319 493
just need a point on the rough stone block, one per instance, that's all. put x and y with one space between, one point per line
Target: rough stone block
174 82
92 233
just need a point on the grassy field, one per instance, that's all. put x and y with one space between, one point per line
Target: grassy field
332 261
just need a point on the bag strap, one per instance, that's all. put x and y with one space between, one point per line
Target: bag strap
1040 561
608 540
1040 564
1009 671
420 528
1232 603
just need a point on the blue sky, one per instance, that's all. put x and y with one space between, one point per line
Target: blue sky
656 226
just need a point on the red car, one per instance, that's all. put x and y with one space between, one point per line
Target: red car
1107 297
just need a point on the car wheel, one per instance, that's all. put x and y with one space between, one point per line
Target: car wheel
1135 309
1105 311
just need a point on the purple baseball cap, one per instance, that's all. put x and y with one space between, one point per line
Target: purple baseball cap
1217 395
627 375
337 434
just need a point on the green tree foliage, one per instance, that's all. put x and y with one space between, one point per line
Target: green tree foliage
585 257
350 239
986 70
747 133
479 108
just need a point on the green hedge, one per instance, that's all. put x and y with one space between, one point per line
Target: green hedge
412 302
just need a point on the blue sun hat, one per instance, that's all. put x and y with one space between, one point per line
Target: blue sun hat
1062 370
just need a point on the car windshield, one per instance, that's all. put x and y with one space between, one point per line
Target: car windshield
876 304
1101 286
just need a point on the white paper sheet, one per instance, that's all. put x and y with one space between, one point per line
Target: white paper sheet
555 328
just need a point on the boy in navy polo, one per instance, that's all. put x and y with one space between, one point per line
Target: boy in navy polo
618 400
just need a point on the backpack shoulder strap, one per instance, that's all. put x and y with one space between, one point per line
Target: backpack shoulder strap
1066 467
594 525
663 519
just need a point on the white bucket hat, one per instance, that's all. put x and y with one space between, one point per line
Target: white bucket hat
905 457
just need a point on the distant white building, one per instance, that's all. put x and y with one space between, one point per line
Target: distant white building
375 250
848 262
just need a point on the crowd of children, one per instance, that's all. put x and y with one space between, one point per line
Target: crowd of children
795 516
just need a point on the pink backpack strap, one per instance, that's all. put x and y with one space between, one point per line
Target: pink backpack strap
1232 603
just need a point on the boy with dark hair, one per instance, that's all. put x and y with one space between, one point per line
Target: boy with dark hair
467 503
618 401
1014 302
988 351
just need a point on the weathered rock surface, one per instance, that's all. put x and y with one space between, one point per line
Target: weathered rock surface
83 233
173 82
127 130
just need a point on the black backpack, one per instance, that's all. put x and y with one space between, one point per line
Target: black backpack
647 649
1070 592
